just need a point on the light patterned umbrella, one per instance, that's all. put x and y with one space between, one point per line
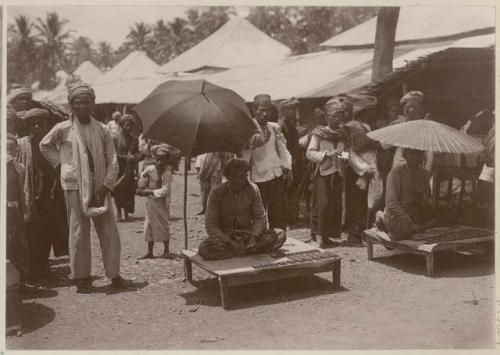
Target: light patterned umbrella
427 135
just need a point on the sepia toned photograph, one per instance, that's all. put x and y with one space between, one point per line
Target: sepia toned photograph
249 177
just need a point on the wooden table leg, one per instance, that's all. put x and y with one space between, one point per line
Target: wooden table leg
224 297
336 276
430 264
188 269
369 248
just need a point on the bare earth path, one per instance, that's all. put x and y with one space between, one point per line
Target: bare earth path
385 303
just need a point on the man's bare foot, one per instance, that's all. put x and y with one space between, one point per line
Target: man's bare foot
147 256
169 256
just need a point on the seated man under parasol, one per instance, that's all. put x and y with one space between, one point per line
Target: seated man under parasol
235 218
407 210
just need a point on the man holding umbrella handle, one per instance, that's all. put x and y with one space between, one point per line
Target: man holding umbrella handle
270 162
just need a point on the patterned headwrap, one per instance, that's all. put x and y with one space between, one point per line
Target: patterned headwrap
80 88
36 112
163 149
412 96
334 106
17 90
289 102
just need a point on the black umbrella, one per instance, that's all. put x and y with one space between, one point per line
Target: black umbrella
197 117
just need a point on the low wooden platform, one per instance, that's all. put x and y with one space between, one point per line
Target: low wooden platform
427 243
240 270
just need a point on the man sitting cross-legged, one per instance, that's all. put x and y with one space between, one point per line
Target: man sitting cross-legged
235 218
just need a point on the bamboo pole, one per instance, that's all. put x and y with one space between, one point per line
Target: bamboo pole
186 169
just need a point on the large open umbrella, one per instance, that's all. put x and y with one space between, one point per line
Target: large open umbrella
197 117
427 135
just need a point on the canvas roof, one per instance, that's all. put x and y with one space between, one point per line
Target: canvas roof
417 23
320 74
236 43
135 65
88 72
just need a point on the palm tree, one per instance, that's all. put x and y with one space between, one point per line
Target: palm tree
161 39
138 37
81 51
182 36
104 55
53 44
21 50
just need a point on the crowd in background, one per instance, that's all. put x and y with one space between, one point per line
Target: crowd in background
328 175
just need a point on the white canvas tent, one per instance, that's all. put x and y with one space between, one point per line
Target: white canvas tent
135 65
88 72
236 43
418 24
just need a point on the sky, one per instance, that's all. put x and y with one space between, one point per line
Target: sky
104 23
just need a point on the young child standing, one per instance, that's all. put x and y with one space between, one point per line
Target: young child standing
155 183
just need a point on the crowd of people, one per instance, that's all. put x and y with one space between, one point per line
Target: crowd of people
65 169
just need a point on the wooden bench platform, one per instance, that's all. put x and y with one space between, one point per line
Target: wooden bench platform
240 270
418 245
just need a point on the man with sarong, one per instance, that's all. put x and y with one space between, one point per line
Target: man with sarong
46 225
236 220
155 183
325 150
83 148
210 174
127 152
288 124
270 162
407 208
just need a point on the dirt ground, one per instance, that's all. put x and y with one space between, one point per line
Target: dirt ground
387 303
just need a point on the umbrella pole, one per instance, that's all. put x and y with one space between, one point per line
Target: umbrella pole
186 168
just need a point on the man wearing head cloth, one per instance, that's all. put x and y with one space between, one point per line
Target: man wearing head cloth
235 219
45 211
288 123
413 109
127 152
270 162
83 149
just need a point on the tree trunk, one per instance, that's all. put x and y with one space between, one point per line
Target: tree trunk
385 35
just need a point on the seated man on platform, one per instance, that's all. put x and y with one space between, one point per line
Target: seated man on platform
235 218
406 208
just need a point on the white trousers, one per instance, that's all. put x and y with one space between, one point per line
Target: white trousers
79 239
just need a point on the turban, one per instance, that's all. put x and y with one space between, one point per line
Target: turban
334 106
116 115
80 88
36 112
160 150
236 164
262 99
18 90
293 102
126 118
413 96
